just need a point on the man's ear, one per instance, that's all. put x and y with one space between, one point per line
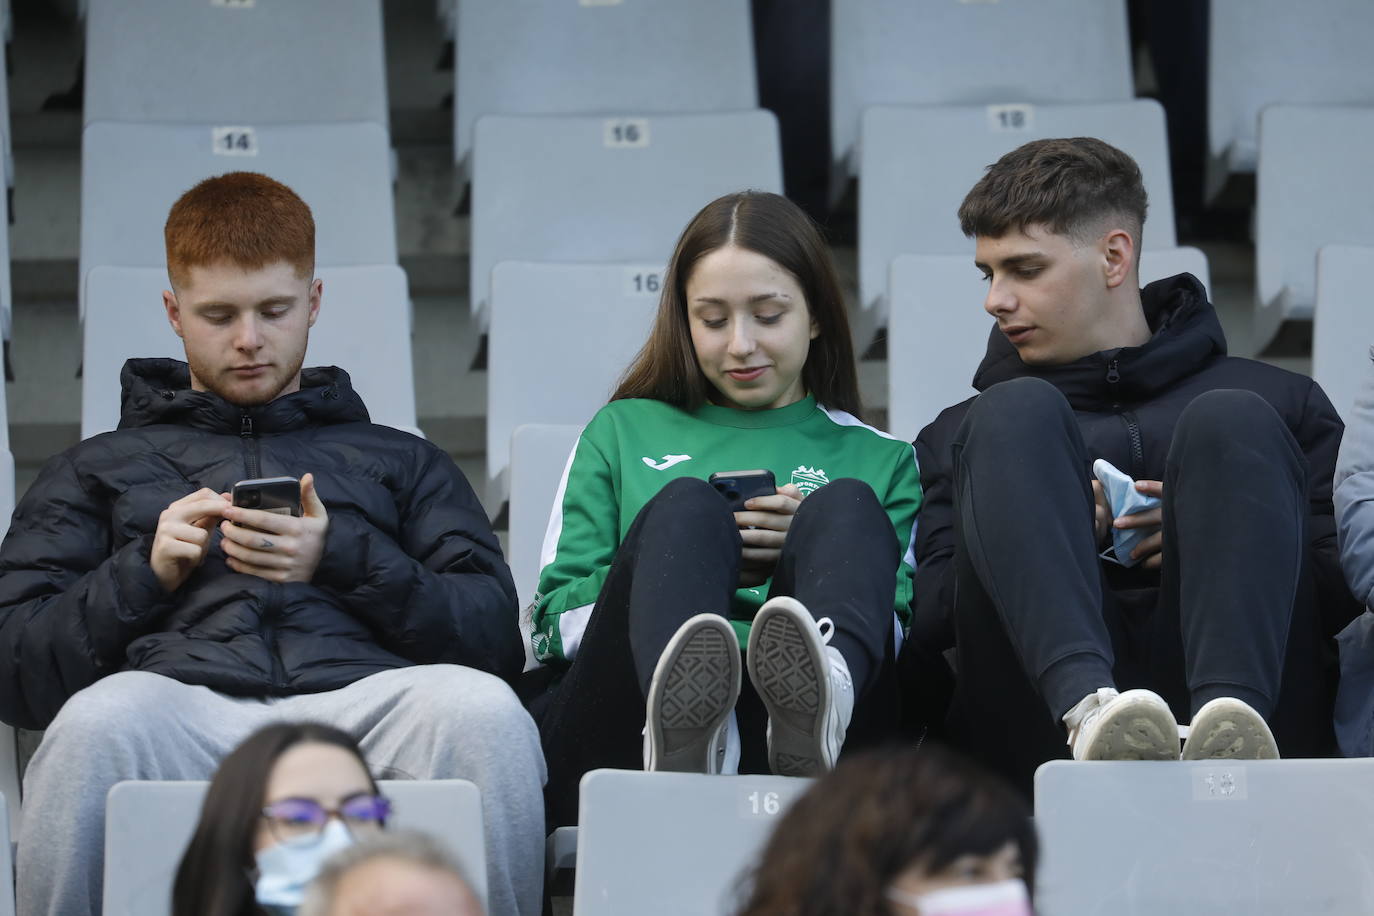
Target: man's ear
316 293
1118 250
169 302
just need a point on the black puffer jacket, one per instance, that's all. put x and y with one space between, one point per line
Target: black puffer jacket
1127 405
411 572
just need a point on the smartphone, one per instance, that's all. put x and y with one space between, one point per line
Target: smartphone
281 495
738 486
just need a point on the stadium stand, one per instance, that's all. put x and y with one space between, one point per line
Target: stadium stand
938 331
537 310
935 52
364 327
526 57
919 162
1206 838
591 188
638 831
1267 51
1343 325
148 824
235 63
1311 189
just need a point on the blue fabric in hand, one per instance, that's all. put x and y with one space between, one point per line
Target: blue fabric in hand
1123 499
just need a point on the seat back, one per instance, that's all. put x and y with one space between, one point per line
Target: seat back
672 844
539 454
525 57
600 189
1262 837
919 163
148 825
1343 325
363 327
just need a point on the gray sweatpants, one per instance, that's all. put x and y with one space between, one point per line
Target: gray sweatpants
424 722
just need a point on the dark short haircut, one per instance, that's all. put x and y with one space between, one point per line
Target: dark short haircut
842 845
1070 185
666 368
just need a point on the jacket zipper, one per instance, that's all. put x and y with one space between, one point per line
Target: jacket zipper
1128 417
269 625
250 441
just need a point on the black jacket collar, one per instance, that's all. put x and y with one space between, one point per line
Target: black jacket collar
1186 337
159 391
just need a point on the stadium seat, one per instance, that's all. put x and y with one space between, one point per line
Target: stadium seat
523 57
938 332
539 453
148 824
1205 838
1267 51
599 189
363 327
920 162
1343 325
131 174
229 62
939 52
1312 189
672 844
538 312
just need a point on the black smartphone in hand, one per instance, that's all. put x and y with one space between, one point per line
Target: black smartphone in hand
739 486
281 495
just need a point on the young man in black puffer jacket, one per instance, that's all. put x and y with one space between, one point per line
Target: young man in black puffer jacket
150 625
1219 614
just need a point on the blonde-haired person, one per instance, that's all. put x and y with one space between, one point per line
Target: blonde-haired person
401 873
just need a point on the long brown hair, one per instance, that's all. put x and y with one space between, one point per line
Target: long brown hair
666 367
840 847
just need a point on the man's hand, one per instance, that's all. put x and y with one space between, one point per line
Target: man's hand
183 536
1148 550
763 527
281 548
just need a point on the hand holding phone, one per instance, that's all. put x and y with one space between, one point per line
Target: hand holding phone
738 487
274 532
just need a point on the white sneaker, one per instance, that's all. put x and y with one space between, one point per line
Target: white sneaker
691 696
804 684
1135 725
1231 729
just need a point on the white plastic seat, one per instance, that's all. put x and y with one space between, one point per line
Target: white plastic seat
1343 325
938 331
363 328
1267 51
131 174
1205 838
600 189
525 57
233 62
920 162
540 314
939 52
148 824
672 844
1312 189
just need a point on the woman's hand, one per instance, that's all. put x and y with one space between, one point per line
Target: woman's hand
763 527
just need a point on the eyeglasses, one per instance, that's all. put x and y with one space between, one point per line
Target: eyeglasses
300 820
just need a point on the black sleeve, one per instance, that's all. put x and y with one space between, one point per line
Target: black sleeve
932 610
69 607
1319 434
442 591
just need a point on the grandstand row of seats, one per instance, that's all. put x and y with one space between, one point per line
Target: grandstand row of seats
590 131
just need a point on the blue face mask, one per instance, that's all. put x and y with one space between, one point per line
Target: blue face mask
286 869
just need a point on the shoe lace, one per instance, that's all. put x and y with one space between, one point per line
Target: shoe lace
839 668
1087 709
826 627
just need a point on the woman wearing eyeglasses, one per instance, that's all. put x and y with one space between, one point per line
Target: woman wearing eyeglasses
280 804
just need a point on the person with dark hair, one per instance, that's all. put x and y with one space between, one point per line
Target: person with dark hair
149 621
280 804
651 585
895 832
1219 581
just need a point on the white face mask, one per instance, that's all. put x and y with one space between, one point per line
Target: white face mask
285 869
1001 898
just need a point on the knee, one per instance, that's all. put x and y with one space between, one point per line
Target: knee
473 704
687 501
118 706
846 494
1018 408
1225 418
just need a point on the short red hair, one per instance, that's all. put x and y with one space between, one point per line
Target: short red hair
242 217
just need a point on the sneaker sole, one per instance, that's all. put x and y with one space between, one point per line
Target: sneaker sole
1138 728
788 669
1229 731
692 693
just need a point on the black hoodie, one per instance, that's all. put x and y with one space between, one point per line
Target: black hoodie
411 571
1127 403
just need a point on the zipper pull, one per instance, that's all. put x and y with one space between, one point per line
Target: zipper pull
1113 376
246 426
